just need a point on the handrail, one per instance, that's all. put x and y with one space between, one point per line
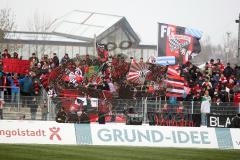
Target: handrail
18 95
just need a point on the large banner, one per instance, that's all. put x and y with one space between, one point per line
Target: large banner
235 135
16 66
38 132
153 136
48 132
178 41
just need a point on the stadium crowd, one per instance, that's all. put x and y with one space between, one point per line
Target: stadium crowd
222 82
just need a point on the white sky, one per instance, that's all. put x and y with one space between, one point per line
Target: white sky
213 17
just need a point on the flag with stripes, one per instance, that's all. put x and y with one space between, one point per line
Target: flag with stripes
175 81
137 72
175 84
172 71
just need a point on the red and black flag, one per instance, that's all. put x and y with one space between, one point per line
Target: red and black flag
175 84
102 52
138 73
181 42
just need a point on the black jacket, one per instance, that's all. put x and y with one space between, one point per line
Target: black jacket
228 71
1 82
61 117
56 61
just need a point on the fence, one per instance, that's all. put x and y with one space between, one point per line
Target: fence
27 107
14 98
17 106
142 107
45 108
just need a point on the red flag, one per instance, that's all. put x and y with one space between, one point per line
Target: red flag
172 71
16 66
176 84
174 79
107 94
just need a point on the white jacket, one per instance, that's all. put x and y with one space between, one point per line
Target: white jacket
205 107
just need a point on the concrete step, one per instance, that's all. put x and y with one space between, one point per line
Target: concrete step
11 113
17 116
21 109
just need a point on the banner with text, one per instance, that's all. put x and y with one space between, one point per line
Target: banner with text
38 132
220 121
152 136
48 132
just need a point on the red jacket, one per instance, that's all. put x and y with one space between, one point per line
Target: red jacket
236 99
103 109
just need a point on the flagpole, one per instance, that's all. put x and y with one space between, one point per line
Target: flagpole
160 104
94 45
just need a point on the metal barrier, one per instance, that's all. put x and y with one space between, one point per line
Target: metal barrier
194 107
12 99
51 107
28 107
144 106
117 106
47 107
